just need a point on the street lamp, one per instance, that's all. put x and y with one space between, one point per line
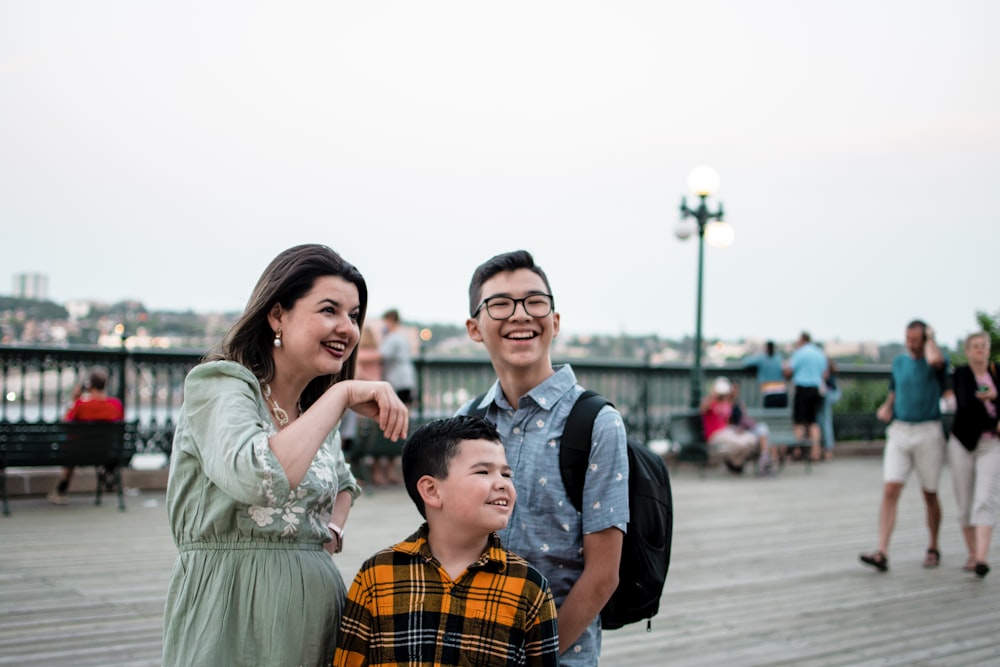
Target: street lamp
703 181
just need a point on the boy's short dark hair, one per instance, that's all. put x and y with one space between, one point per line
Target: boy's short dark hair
508 261
430 449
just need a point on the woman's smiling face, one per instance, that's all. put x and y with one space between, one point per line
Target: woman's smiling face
321 330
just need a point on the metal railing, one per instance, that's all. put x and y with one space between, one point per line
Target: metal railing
37 384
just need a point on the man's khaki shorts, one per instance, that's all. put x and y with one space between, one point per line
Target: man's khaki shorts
916 446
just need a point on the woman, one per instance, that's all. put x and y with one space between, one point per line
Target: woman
258 483
974 451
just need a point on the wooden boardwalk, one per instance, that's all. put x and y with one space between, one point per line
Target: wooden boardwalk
764 572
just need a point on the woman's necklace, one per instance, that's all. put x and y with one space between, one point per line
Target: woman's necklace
279 414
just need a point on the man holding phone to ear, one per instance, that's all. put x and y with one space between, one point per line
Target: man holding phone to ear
914 439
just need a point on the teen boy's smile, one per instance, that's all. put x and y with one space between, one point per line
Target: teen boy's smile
521 339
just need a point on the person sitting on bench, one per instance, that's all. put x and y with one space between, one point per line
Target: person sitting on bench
90 404
743 421
735 444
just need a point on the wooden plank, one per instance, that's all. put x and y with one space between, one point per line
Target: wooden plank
764 572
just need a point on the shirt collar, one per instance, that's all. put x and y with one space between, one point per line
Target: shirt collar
544 395
493 555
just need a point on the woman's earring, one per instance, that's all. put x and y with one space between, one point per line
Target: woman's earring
277 338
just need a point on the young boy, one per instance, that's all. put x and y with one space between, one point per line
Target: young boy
450 594
512 313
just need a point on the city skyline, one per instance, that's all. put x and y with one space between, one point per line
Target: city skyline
167 152
716 349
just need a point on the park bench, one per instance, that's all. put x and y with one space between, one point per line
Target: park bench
689 446
782 433
689 441
27 444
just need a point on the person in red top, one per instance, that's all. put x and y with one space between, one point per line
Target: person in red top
735 444
90 404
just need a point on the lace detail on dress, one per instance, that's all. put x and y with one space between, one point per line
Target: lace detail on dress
262 452
303 502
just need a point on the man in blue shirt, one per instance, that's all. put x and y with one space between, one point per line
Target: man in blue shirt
512 314
807 369
914 440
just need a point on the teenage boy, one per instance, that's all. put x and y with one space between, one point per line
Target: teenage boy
450 594
512 314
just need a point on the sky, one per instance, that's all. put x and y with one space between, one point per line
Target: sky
167 151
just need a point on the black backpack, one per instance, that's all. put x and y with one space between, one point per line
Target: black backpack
646 547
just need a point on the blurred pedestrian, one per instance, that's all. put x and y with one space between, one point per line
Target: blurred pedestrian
90 404
397 357
399 371
914 439
807 369
770 376
974 451
825 416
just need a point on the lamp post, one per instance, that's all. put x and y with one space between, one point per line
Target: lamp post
703 181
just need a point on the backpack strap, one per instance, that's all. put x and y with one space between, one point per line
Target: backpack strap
475 410
577 439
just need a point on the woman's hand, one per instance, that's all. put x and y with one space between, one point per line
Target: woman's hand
378 401
990 394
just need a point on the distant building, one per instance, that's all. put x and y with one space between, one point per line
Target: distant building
31 286
78 309
867 350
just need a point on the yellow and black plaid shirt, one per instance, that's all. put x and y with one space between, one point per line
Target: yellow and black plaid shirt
404 609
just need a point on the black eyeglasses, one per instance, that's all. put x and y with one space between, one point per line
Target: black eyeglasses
503 307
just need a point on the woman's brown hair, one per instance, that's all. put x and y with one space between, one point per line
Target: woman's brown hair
289 276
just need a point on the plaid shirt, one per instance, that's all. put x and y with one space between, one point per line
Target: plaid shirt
404 609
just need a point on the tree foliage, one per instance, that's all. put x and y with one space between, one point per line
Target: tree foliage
991 325
31 309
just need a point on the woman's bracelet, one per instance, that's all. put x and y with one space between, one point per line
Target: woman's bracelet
338 532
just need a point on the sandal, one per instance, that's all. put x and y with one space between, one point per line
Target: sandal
933 558
982 569
878 560
970 565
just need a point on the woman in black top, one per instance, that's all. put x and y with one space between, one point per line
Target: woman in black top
974 450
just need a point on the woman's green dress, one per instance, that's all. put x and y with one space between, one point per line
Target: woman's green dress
252 584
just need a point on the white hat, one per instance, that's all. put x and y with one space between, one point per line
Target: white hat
722 386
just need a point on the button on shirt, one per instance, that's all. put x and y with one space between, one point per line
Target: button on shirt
545 528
